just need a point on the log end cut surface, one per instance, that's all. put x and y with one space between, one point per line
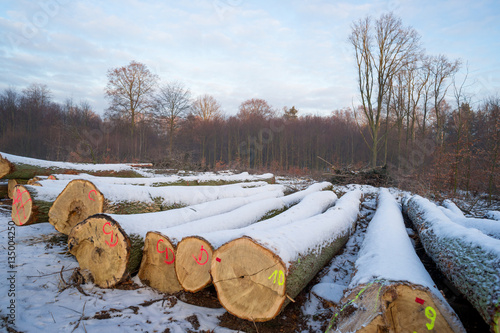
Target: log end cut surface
79 200
22 206
250 280
192 264
101 246
394 308
157 266
5 167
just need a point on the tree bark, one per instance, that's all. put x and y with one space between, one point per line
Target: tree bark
468 258
256 277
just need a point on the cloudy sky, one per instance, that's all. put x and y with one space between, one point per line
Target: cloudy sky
287 52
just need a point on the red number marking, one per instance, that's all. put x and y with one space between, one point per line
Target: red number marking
218 259
166 253
419 301
19 199
109 233
91 192
201 256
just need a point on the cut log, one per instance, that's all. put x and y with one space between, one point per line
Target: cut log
467 257
81 199
256 276
77 201
170 180
12 183
193 276
170 237
391 290
17 167
5 166
121 229
31 204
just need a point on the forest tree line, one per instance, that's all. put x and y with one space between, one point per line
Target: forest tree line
414 117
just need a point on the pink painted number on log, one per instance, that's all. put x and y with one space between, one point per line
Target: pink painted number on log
19 199
166 253
91 192
198 260
109 233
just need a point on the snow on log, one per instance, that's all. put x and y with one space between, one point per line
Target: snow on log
486 226
208 178
6 166
391 290
193 276
101 238
31 204
170 237
450 205
493 215
82 198
18 167
467 257
256 275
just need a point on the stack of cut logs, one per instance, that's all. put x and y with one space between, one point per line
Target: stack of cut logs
256 245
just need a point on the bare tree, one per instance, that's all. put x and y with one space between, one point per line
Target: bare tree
171 104
381 50
255 107
130 90
206 107
441 69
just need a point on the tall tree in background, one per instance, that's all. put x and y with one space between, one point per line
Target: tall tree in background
255 107
441 69
381 50
206 107
130 91
171 104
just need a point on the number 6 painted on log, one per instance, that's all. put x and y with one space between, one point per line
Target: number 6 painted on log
166 253
109 233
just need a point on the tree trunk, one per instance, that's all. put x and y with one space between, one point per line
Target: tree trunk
30 204
81 199
17 167
468 258
256 276
391 291
194 276
121 238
